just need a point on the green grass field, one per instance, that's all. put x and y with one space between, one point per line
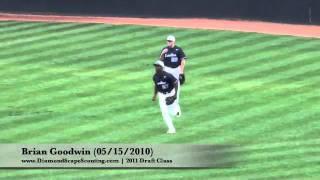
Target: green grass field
91 83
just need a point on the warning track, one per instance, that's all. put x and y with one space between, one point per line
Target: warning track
311 31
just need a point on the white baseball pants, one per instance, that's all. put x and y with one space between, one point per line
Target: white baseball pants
168 110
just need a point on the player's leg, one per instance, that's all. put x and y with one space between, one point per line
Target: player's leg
174 108
165 113
177 109
177 106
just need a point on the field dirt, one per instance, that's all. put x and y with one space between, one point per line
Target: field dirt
311 31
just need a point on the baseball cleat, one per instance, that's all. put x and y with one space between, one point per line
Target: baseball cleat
171 131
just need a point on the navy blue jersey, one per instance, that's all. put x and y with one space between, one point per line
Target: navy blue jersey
164 82
173 57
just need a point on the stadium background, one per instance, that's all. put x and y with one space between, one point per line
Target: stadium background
289 11
91 83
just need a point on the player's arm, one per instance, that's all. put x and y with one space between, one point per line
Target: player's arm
163 52
183 63
183 58
155 92
182 76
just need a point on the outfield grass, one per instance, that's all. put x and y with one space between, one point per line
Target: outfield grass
91 83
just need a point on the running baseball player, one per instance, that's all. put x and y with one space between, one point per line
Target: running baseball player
174 60
166 87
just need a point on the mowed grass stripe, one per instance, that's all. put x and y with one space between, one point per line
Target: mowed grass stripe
308 60
58 40
272 144
252 84
134 50
126 58
33 79
40 35
85 39
218 86
24 34
186 125
249 96
221 53
260 123
312 129
245 136
264 59
279 125
30 52
48 55
205 131
216 48
123 63
88 87
51 41
8 23
147 173
264 158
134 47
237 57
297 173
283 153
75 46
104 112
272 78
232 110
16 27
93 106
22 56
310 125
34 76
261 118
25 68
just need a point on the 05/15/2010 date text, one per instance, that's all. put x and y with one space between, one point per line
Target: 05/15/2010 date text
124 151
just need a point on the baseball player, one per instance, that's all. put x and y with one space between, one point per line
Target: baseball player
166 87
174 60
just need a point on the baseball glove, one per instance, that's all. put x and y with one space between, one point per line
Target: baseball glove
182 79
170 100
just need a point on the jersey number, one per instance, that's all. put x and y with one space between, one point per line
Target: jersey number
174 59
165 86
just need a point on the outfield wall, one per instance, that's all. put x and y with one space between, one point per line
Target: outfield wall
288 11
